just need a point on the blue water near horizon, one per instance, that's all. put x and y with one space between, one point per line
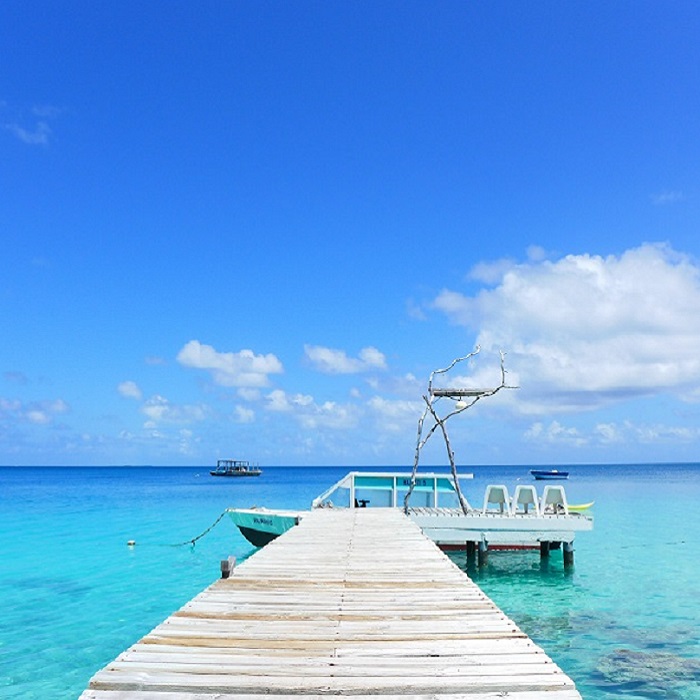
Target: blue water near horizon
624 623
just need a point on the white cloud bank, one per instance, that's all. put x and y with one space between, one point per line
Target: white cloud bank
585 331
158 409
39 132
311 415
610 434
36 412
667 197
235 369
332 361
38 135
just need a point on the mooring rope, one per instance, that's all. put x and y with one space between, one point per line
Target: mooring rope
199 537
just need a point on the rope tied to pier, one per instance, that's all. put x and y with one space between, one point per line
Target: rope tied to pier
206 532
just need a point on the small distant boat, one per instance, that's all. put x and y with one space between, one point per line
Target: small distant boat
235 467
579 507
541 474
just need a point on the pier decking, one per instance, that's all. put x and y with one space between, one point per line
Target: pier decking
351 602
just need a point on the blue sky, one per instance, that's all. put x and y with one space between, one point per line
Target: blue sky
252 230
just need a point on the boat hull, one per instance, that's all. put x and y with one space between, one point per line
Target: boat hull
260 525
450 529
236 475
501 531
542 475
523 522
257 538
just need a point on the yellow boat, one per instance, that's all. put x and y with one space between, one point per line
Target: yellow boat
581 506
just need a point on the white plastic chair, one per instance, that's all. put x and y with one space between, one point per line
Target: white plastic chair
497 495
525 500
554 500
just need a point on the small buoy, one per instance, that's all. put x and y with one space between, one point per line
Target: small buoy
131 543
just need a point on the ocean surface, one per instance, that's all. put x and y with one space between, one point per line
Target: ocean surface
624 623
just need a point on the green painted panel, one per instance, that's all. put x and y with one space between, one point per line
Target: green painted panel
374 482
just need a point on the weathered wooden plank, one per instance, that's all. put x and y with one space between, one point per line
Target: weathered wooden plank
565 694
412 651
295 685
265 638
222 659
349 602
390 614
328 667
353 624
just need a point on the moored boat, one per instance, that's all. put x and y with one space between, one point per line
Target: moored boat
261 525
522 521
436 503
542 474
235 467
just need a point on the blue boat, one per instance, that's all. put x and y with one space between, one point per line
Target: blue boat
541 474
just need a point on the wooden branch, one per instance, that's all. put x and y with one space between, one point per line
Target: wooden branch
451 456
431 398
476 351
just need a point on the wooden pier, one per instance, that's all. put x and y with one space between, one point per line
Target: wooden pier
351 602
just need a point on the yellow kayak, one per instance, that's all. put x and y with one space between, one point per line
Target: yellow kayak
581 506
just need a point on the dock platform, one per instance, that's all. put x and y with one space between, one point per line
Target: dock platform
351 602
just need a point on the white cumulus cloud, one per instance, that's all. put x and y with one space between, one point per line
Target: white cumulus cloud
395 415
38 135
667 197
282 402
312 415
555 433
236 369
158 409
244 415
130 390
37 412
584 330
332 361
605 435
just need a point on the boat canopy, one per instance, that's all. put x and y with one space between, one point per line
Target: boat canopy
235 467
361 489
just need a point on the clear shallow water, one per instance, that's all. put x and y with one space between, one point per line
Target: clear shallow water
625 623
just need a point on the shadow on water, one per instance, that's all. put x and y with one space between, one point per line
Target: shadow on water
628 672
596 645
35 585
518 566
538 594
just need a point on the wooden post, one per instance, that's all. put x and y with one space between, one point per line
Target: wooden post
544 550
483 552
568 553
227 566
471 554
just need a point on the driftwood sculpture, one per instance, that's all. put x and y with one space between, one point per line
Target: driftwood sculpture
463 400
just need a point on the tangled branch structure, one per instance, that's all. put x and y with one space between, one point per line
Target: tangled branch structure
463 400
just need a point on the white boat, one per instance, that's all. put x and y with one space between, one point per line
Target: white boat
436 502
235 468
522 521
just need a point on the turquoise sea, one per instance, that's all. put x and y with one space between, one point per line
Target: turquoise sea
624 623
